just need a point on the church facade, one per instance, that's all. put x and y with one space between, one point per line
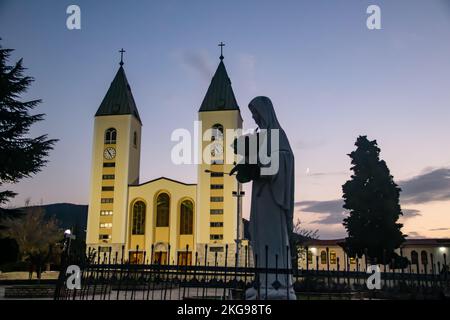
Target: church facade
163 220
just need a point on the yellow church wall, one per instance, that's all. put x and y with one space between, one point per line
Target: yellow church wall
127 190
216 180
184 240
105 219
137 242
125 171
162 236
215 193
216 205
216 218
229 119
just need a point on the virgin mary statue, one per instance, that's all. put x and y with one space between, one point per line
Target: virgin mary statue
272 208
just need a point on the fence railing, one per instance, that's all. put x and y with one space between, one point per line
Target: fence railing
111 278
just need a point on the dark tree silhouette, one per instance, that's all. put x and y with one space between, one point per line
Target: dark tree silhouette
20 155
372 198
35 236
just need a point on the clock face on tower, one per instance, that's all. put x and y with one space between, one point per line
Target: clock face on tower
216 149
109 153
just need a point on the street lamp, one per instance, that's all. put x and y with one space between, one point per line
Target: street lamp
238 194
68 237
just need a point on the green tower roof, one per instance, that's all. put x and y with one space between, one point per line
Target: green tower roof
220 95
119 99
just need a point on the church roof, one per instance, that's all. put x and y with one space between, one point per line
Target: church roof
119 99
220 95
162 178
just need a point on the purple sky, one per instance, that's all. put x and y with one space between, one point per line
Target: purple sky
329 77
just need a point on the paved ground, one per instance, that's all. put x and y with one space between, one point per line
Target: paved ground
23 275
174 294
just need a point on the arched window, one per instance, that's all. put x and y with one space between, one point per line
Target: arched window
138 223
424 257
162 210
217 132
110 136
186 217
414 257
323 257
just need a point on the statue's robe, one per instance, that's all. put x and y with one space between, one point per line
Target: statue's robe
271 212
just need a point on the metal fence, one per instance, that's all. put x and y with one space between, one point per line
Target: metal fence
106 277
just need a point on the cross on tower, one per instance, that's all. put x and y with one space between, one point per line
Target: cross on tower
221 45
121 56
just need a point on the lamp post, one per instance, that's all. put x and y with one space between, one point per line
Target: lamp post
238 194
68 237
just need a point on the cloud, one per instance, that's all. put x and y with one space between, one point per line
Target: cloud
410 213
331 173
333 208
432 185
306 145
321 206
439 229
414 235
247 76
198 61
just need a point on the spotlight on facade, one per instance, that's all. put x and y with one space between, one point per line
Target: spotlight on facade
442 249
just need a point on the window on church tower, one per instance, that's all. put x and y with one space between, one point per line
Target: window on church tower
216 236
217 132
186 217
138 223
162 210
110 136
135 139
109 164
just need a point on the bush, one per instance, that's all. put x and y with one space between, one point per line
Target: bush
15 266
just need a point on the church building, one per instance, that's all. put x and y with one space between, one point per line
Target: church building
163 220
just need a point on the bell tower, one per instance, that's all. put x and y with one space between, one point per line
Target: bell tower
115 165
217 215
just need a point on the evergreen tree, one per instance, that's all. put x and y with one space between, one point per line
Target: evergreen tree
20 155
372 198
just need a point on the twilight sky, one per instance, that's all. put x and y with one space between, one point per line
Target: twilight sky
329 77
